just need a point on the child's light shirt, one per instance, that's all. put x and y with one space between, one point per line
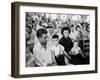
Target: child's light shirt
57 49
75 50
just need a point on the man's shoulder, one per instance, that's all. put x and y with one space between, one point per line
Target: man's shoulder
36 47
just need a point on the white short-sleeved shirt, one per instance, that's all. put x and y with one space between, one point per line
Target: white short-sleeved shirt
76 50
42 56
57 49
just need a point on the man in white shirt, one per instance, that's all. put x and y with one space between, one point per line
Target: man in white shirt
42 52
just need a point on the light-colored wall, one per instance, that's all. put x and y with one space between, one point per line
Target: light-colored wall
5 40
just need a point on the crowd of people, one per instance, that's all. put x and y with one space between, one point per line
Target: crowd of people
53 39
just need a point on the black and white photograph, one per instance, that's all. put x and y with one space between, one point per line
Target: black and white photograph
52 39
55 39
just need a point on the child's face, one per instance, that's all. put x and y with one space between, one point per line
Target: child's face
75 44
55 41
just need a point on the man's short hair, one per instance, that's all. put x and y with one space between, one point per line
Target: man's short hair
65 28
40 32
55 36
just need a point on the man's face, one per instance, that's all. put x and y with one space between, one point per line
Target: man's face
66 33
43 39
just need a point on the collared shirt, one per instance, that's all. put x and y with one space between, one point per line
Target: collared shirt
43 56
76 50
57 49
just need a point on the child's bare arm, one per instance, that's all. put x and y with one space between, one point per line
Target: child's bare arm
71 53
66 54
81 53
53 56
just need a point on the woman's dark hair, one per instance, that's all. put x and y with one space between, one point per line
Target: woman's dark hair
64 29
55 36
40 32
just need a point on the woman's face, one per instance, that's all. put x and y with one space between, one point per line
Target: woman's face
66 33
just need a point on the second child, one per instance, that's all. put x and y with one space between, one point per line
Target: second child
58 51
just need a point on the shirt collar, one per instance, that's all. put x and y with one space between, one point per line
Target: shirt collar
40 46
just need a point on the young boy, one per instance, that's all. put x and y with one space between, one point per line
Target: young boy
58 51
76 54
